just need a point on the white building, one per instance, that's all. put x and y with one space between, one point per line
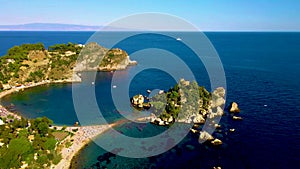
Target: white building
1 122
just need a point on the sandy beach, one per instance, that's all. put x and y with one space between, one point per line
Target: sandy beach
4 112
17 89
22 87
82 137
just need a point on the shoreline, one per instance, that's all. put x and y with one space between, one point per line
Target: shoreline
81 138
23 87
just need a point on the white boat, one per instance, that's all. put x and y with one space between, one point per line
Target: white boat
178 39
93 83
114 86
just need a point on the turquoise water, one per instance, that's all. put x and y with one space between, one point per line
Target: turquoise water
261 69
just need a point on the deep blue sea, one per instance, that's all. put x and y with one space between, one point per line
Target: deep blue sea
262 74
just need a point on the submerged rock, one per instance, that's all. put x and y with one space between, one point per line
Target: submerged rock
233 108
190 147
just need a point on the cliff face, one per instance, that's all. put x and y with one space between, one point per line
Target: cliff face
95 57
33 63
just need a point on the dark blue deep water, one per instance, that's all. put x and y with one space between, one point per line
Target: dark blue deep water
262 73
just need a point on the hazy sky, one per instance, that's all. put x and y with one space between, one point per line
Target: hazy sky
205 14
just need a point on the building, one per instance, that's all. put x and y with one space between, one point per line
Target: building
1 122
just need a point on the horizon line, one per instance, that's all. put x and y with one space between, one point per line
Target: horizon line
24 30
94 28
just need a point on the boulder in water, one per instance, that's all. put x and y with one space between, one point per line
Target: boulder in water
216 142
138 100
237 118
193 131
233 108
204 136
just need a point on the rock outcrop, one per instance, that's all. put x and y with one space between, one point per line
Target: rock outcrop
96 57
205 136
193 104
33 63
218 97
237 118
216 142
233 108
217 102
138 100
199 119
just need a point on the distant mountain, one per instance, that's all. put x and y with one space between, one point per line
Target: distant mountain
49 27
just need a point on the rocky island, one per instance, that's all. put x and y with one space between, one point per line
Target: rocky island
187 102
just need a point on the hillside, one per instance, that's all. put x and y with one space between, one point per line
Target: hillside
31 63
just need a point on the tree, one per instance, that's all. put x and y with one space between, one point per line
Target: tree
50 144
17 151
158 108
41 124
1 85
43 128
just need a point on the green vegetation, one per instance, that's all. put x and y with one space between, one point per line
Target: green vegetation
33 63
35 76
113 57
196 98
63 58
62 48
11 62
28 141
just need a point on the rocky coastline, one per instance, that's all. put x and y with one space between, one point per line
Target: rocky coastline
209 115
31 64
37 69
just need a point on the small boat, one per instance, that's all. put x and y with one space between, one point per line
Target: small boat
179 39
114 86
93 83
148 91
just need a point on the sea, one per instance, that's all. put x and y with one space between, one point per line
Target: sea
262 71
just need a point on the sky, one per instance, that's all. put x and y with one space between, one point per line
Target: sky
273 15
